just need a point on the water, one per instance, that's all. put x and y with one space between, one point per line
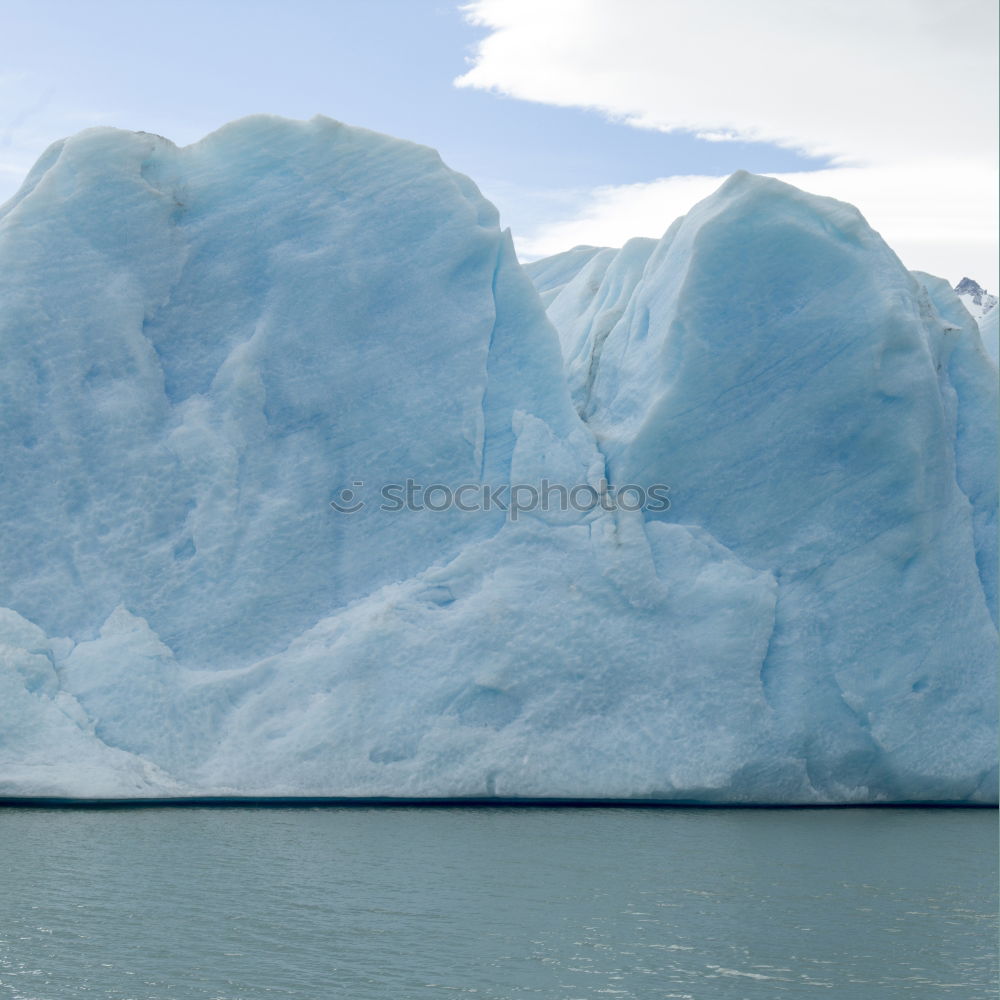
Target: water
240 904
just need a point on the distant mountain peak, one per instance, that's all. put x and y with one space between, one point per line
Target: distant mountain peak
975 298
967 285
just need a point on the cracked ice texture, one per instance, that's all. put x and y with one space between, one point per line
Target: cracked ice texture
203 344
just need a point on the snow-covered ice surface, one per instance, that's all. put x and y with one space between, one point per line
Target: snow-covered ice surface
975 298
983 308
203 345
989 328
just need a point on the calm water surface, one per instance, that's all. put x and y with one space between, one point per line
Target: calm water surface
240 904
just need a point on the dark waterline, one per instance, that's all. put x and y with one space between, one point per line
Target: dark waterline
485 802
203 903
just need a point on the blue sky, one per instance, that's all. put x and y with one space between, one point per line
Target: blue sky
841 92
183 69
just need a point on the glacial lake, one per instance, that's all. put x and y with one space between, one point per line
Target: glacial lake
247 903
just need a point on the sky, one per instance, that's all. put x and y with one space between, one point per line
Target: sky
585 121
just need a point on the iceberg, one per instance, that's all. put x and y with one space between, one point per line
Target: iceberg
218 359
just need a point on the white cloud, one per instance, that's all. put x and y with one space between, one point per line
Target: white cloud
900 93
863 81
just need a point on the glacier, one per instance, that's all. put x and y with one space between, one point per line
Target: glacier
204 345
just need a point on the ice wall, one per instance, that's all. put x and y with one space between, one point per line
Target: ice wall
203 346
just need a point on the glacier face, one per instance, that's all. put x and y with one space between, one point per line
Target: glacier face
203 345
213 340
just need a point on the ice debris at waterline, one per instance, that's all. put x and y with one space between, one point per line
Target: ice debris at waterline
203 346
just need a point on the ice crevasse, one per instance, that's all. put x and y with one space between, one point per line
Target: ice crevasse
202 346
